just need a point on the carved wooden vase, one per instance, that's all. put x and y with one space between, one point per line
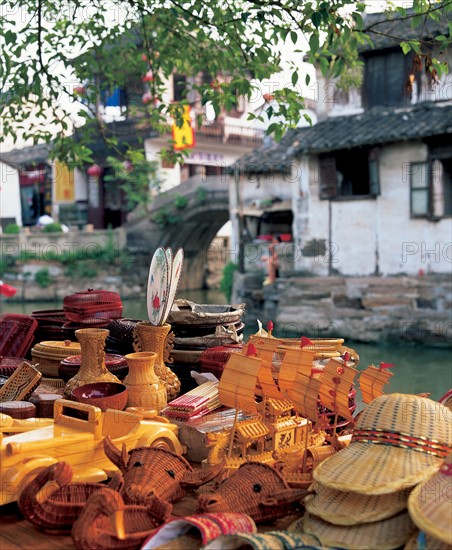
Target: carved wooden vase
155 338
92 366
145 389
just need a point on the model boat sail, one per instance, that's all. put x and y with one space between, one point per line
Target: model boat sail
338 376
296 381
237 385
372 381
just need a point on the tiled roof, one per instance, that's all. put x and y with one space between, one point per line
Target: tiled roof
27 155
387 29
374 127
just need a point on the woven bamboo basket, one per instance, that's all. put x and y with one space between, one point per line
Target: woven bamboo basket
99 525
50 353
51 502
245 490
21 383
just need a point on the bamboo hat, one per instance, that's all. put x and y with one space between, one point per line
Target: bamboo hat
383 535
399 441
430 504
345 508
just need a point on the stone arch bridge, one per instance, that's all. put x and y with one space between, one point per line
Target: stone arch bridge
188 216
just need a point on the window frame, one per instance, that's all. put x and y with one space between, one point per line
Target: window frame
328 179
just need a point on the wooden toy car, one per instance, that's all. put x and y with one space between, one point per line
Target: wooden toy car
76 436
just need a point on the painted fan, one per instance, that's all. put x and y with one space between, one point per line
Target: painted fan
164 275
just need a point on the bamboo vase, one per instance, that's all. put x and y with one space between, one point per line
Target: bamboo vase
92 367
144 387
154 338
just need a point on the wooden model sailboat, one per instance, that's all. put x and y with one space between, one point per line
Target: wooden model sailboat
372 381
271 426
273 383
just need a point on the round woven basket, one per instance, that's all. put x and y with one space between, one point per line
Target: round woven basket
50 353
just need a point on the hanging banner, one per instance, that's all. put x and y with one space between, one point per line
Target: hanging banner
64 183
184 137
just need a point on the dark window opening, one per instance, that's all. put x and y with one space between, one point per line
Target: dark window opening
385 79
179 87
349 173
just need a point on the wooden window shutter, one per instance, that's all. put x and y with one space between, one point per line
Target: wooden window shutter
328 176
374 173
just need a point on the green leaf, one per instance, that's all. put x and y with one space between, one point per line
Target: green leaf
294 78
324 65
314 43
416 21
293 37
316 19
406 47
307 79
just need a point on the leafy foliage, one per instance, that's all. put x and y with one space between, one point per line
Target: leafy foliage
59 58
43 278
135 175
54 227
12 229
227 280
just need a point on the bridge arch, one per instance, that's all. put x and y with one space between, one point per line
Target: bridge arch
193 227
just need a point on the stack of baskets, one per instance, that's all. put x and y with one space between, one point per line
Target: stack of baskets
199 327
50 325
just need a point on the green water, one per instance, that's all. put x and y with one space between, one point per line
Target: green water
417 368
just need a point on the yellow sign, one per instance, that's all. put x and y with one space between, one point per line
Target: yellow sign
64 183
184 137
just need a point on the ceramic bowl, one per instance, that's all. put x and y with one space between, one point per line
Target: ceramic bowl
105 395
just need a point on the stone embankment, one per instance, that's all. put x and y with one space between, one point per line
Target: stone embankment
366 309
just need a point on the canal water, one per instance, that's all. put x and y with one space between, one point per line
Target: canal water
417 368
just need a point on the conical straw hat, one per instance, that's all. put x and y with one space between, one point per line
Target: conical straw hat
381 535
345 508
399 441
430 504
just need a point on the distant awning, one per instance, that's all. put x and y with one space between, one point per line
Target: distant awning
257 212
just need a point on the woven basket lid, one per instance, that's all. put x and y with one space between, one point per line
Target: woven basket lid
399 441
430 504
345 508
91 297
57 349
384 535
111 360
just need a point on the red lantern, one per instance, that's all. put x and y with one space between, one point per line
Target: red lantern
94 171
